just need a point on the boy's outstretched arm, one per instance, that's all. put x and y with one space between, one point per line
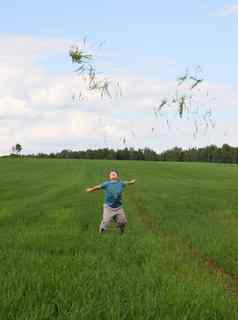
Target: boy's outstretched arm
127 183
93 188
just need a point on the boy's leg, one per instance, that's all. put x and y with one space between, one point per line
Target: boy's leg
121 220
107 217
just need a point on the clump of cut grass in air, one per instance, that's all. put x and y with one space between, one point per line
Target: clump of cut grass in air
95 81
190 101
79 56
182 105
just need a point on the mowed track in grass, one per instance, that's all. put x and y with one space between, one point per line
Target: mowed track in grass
55 265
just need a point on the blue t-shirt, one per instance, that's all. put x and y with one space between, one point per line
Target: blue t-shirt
113 193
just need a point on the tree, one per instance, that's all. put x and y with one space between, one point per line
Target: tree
18 148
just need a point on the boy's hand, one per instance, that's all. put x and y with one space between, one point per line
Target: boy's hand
93 188
133 181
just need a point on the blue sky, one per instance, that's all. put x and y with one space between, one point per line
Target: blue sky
138 31
151 39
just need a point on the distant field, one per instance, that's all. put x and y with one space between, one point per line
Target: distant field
177 260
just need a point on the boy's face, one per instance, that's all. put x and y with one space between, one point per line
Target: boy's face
113 176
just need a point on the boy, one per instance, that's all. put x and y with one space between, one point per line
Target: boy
112 208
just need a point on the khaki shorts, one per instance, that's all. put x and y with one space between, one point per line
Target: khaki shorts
109 214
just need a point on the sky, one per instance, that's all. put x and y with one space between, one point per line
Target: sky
147 45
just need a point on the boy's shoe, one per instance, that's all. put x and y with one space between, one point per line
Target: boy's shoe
121 230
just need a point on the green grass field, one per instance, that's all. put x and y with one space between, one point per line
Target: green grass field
177 260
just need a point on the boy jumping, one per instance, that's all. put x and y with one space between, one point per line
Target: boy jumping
112 208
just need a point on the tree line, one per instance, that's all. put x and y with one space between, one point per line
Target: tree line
212 153
104 153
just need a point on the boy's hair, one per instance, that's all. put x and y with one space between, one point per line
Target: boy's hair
113 171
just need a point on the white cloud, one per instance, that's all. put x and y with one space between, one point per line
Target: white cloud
20 47
10 106
229 10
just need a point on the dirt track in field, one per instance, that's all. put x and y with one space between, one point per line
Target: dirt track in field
208 264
